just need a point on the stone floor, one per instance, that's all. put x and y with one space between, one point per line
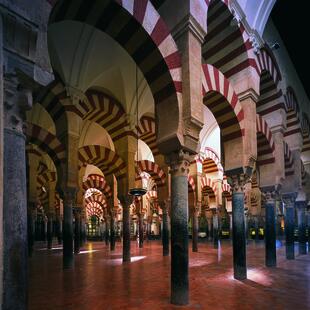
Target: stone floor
100 280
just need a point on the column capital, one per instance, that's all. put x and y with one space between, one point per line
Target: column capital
289 200
301 204
179 163
271 193
238 181
17 100
69 194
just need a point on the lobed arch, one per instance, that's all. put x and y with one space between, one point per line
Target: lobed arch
105 159
153 41
98 182
265 143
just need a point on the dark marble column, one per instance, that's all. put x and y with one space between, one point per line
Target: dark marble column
68 201
195 228
301 207
141 230
77 230
15 246
126 230
106 234
31 226
112 232
59 228
239 239
179 164
270 229
289 201
50 218
215 229
165 235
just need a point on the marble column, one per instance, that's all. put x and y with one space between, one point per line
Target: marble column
215 222
289 201
31 226
45 222
165 235
239 239
112 232
106 234
68 201
59 229
15 246
301 207
195 227
179 164
77 230
126 230
140 230
270 229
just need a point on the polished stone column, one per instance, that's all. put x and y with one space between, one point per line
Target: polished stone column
50 219
215 222
45 221
112 232
195 228
77 230
31 226
68 201
59 229
239 240
289 201
106 234
179 164
270 231
165 235
301 207
15 246
141 230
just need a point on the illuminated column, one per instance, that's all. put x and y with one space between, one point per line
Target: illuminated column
179 164
289 200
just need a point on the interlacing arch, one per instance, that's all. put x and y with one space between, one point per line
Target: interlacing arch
293 125
147 133
227 46
47 142
208 187
98 182
265 143
223 102
153 170
305 127
271 97
288 160
105 159
153 49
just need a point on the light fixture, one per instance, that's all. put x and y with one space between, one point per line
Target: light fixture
137 191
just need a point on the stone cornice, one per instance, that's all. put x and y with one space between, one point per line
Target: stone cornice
249 93
189 23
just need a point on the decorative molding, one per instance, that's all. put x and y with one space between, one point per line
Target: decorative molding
179 163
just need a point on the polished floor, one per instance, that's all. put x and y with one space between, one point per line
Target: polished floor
100 281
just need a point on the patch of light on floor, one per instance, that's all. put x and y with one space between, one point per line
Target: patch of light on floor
88 251
45 249
119 261
259 276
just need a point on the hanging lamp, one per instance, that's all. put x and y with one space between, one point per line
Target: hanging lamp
137 191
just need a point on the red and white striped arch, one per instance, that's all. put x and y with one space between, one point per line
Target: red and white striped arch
100 199
210 161
98 182
147 133
305 127
47 142
222 101
293 125
271 97
226 47
208 187
288 160
191 184
105 159
153 170
127 19
94 208
151 195
265 143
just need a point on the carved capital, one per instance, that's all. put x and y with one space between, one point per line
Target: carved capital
289 200
179 163
17 100
238 181
70 194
